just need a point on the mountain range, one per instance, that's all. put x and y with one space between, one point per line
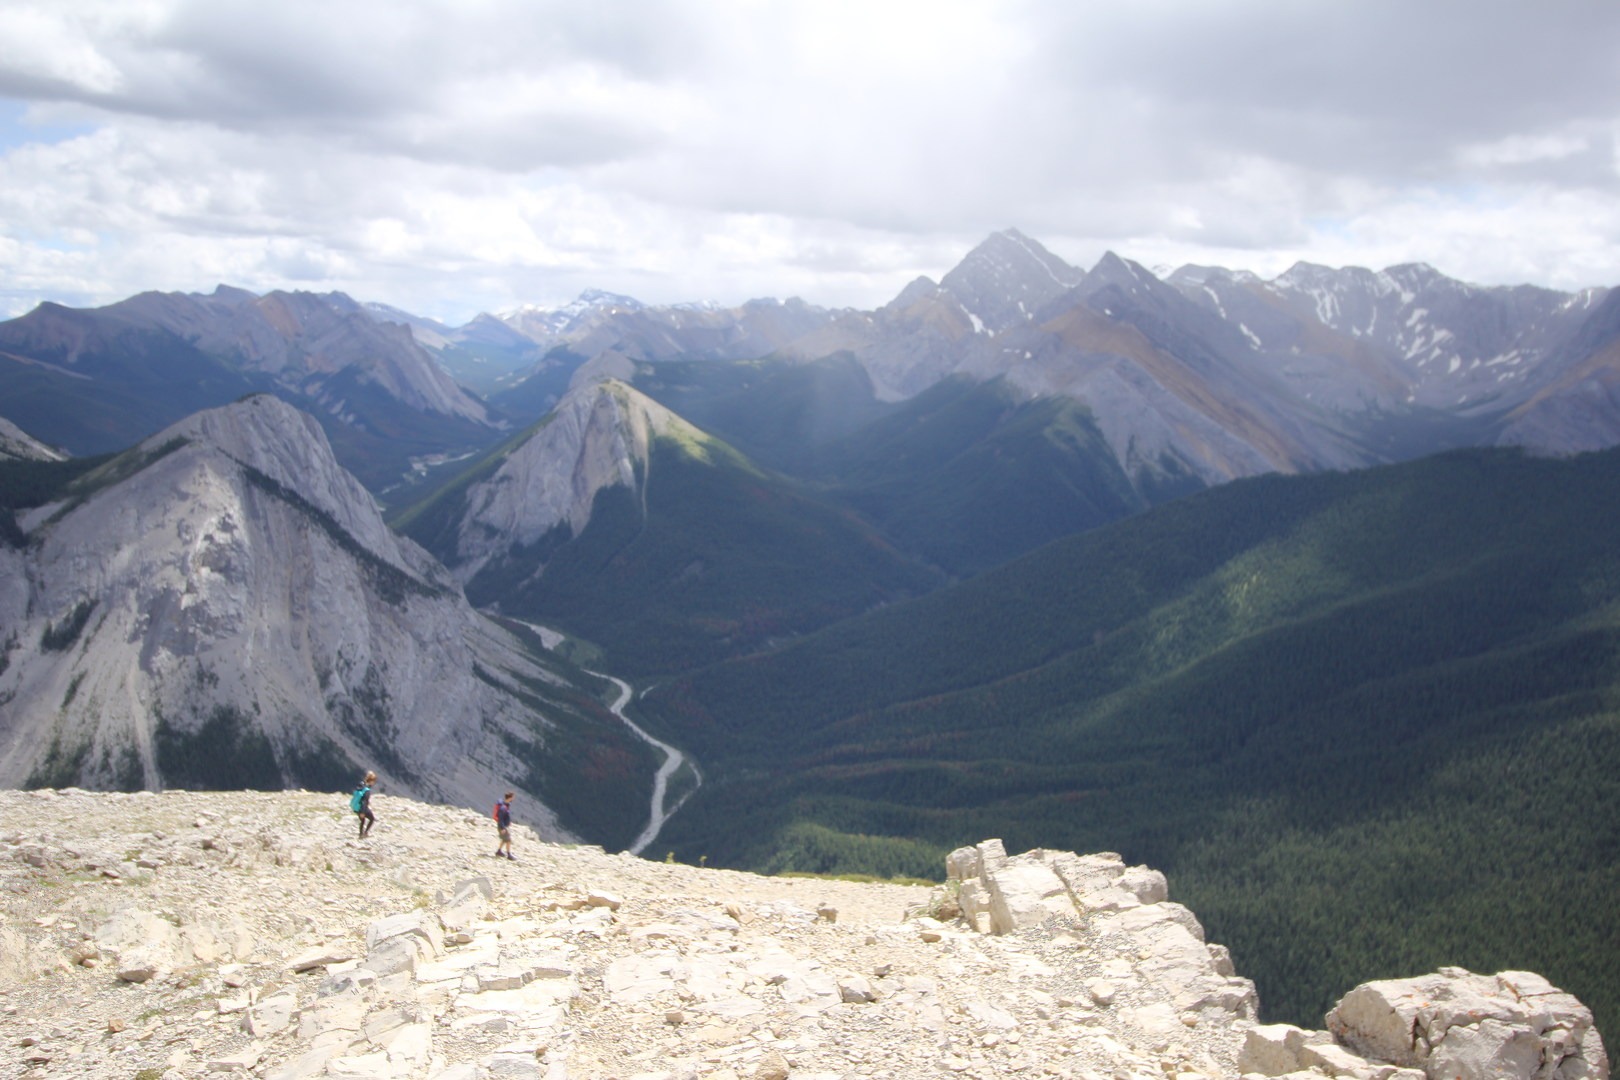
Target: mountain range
99 380
1207 373
1272 583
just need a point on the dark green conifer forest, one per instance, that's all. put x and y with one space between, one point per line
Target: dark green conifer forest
1368 723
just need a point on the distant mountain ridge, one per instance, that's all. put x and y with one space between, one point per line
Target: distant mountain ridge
1211 372
102 379
1221 372
1020 399
598 321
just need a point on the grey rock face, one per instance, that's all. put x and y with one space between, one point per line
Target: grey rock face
230 576
17 445
1172 387
1222 375
316 347
998 894
596 437
1358 341
304 340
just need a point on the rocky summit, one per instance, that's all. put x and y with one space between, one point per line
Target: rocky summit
190 934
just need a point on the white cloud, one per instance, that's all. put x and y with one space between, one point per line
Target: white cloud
448 156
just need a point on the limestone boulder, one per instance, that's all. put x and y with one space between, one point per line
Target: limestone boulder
1024 894
1102 882
1456 1025
1171 954
401 943
418 925
963 864
468 903
999 894
144 940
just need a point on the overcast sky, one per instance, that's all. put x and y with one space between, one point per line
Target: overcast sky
474 155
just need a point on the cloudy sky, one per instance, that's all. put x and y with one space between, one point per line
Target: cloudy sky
477 154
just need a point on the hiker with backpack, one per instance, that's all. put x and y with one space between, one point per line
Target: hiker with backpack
503 824
360 803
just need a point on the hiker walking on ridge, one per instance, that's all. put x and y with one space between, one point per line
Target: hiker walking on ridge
503 824
360 803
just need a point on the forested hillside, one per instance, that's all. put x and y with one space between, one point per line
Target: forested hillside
967 474
719 559
1369 722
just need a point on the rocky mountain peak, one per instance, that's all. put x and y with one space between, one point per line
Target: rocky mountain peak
263 433
191 947
1192 277
230 294
915 290
548 327
1304 273
597 436
1112 269
601 298
487 329
1415 277
1006 279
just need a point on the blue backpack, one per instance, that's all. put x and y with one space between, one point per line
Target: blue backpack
357 798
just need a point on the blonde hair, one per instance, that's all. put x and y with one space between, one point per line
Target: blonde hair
370 776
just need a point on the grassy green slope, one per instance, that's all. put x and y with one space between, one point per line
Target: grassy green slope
1369 723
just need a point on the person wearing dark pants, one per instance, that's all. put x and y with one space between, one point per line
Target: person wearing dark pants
361 802
503 823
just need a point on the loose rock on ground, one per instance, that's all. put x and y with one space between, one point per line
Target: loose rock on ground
181 935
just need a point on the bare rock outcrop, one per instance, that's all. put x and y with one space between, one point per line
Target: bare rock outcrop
1002 894
1462 1026
1448 1025
17 445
